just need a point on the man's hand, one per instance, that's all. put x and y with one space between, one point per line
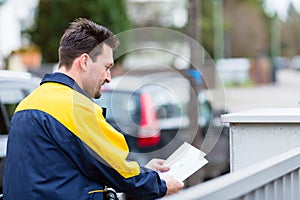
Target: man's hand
173 185
157 165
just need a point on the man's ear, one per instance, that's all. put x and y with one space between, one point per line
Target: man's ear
84 61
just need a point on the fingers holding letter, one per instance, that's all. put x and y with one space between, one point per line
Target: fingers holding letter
157 165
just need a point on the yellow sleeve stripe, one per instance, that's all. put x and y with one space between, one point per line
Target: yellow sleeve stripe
83 118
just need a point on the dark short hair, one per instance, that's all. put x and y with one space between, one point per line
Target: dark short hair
84 36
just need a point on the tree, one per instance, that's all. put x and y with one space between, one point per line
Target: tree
53 16
207 39
238 15
291 29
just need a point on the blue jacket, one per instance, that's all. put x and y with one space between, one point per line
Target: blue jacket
61 147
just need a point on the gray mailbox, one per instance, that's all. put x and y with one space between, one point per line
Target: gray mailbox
258 134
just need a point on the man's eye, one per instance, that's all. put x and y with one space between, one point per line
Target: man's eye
108 67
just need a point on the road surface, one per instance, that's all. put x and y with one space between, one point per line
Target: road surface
284 93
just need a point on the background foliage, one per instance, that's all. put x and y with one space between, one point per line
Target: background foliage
247 28
54 16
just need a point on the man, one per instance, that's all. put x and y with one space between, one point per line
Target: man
60 146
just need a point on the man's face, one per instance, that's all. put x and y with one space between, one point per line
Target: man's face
99 72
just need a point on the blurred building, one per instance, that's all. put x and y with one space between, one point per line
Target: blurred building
24 59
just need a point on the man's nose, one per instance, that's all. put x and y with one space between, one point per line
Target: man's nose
108 77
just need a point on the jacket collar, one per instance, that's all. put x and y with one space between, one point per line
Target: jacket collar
65 80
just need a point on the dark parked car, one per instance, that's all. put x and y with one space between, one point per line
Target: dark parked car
14 86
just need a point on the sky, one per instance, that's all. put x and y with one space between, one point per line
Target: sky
281 6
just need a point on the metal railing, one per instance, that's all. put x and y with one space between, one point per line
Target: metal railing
277 178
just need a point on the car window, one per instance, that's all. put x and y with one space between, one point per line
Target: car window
10 98
4 121
12 91
169 101
120 106
205 110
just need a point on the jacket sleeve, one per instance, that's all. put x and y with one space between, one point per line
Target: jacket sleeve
146 185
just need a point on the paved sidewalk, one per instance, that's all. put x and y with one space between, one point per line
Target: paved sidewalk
284 93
